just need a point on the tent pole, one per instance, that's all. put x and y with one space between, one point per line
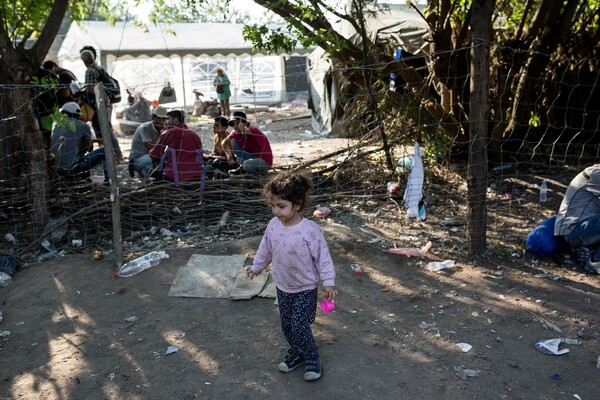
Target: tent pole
183 84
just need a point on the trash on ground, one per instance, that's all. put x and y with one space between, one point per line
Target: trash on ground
464 373
4 333
131 319
9 237
438 266
598 363
5 279
552 277
140 264
425 325
322 212
8 265
171 350
96 255
48 246
411 252
551 347
464 347
546 324
357 269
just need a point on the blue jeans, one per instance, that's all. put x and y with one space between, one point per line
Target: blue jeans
247 160
87 162
143 165
586 234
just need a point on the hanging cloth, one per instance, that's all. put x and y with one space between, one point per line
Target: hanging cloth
414 189
167 95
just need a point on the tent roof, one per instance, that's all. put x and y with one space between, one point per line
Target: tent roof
124 38
399 25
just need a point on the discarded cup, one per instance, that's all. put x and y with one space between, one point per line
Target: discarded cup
357 269
327 306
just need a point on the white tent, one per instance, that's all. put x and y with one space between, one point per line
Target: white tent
185 55
400 25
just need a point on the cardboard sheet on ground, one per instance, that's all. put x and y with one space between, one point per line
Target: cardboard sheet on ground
221 277
207 276
245 288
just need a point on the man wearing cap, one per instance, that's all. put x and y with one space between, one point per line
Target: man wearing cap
75 157
145 137
178 149
251 146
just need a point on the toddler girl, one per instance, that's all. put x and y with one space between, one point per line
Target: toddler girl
300 259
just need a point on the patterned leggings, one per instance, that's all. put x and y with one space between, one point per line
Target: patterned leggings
297 312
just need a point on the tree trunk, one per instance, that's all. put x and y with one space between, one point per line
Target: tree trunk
481 23
23 166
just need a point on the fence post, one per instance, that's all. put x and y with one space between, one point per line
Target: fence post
481 24
105 126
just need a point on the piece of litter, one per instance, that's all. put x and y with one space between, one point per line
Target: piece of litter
131 319
464 373
551 347
171 350
357 269
425 325
464 347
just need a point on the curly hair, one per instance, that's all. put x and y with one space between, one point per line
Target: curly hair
290 186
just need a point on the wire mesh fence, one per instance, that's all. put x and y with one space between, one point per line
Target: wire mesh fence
558 137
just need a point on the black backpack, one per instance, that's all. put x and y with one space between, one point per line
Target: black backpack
110 84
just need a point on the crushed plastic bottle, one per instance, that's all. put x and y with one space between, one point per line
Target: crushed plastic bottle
140 264
5 280
543 192
436 265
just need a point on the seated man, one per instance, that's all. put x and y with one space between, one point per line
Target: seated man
178 149
251 146
145 137
578 219
139 109
217 159
76 157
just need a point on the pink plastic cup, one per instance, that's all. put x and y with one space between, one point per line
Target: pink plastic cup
327 306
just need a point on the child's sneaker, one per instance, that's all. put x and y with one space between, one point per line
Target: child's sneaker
291 362
312 372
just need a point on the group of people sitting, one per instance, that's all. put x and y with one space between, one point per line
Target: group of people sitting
165 148
59 88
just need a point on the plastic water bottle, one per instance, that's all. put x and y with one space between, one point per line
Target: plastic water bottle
436 265
140 264
543 192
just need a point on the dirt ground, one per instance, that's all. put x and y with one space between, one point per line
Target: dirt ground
393 335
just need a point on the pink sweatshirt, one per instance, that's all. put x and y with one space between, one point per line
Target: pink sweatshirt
298 254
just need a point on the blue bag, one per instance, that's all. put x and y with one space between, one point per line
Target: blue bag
542 242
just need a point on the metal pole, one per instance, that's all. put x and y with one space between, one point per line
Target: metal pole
109 153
